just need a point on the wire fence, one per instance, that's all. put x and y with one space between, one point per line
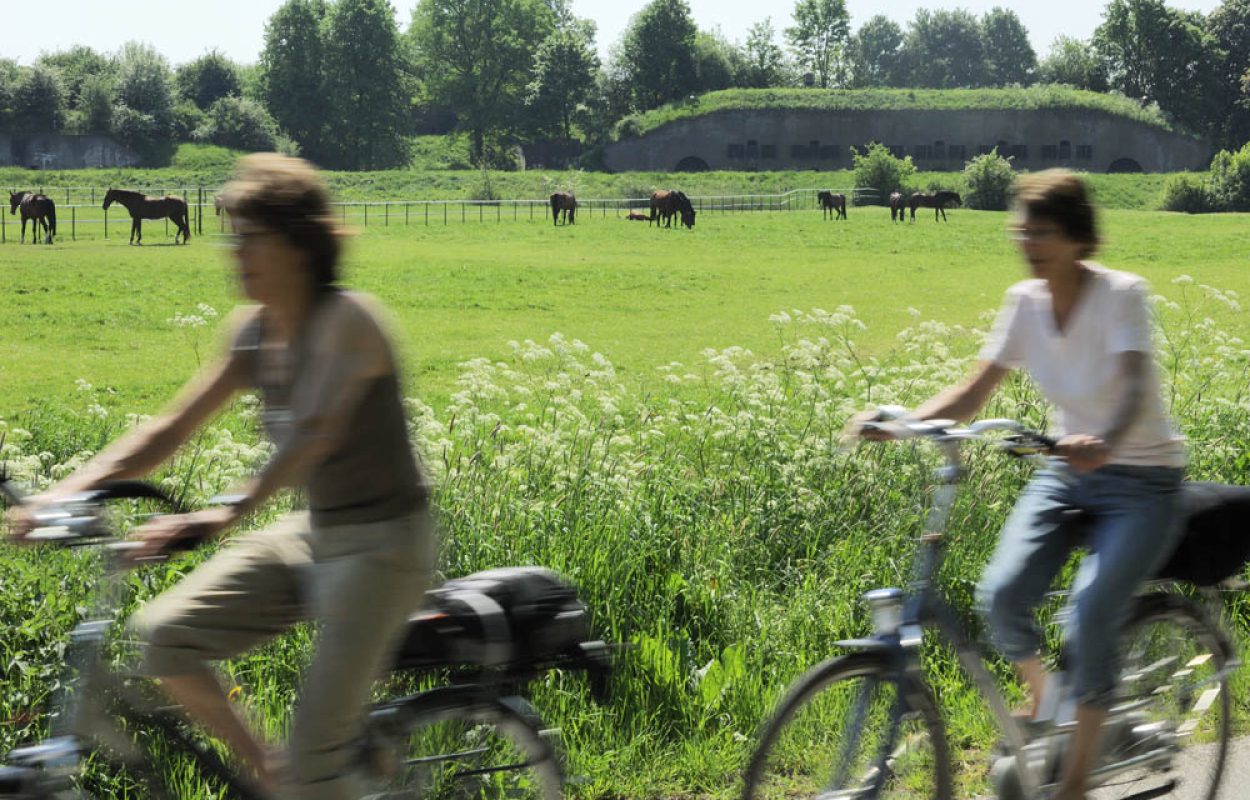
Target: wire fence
89 220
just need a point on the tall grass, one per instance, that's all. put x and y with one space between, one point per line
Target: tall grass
709 514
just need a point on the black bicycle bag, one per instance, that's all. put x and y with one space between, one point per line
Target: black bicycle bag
1216 542
512 615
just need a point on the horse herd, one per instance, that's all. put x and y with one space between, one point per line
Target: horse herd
42 210
666 204
833 205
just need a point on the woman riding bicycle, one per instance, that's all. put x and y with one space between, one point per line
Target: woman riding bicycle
1083 334
358 560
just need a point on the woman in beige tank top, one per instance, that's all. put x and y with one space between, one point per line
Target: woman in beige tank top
358 560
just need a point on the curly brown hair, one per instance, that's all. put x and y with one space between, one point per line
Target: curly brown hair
1062 197
288 195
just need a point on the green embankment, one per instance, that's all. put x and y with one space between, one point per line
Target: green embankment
197 166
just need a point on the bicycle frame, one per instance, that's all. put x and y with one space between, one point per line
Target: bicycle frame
92 699
899 618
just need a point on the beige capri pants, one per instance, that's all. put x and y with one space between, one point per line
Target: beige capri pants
359 582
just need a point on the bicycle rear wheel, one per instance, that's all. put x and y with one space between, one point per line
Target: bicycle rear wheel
852 729
1174 704
493 748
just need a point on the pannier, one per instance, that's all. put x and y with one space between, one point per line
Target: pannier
1216 541
512 615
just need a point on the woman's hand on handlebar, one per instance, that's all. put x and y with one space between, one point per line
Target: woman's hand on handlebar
1084 452
857 427
170 533
21 518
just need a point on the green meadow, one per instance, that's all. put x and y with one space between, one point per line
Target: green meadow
653 413
103 311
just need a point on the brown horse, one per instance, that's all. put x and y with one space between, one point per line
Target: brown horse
36 207
566 203
936 201
832 206
637 216
219 202
666 204
142 207
898 207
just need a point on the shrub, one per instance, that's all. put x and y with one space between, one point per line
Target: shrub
239 123
988 177
1230 180
1187 193
879 170
188 118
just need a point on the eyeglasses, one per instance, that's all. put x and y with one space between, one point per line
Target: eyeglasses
239 239
1022 235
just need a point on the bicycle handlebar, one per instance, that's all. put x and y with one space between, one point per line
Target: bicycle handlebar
75 520
1022 442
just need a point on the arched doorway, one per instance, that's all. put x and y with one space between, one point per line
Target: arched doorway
1125 165
691 164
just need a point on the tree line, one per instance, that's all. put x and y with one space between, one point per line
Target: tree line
338 81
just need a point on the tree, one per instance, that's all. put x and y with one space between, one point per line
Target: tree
9 72
1229 30
565 67
38 101
207 79
1159 54
475 56
717 63
819 37
657 54
1073 62
290 77
366 107
1009 58
95 104
76 66
144 100
944 50
765 60
876 54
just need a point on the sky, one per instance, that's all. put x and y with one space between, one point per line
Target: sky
183 31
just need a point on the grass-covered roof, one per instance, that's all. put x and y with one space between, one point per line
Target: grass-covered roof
1028 98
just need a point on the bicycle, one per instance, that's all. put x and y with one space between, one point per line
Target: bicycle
476 736
866 724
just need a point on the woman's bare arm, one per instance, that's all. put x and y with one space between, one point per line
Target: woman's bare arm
146 447
962 402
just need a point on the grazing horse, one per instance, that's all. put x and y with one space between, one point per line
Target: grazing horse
666 204
832 206
898 207
141 208
36 207
563 202
936 201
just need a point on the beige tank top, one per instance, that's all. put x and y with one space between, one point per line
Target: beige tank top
373 474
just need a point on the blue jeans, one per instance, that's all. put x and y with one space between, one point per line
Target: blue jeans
1132 528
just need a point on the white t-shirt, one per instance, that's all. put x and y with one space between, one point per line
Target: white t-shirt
1077 369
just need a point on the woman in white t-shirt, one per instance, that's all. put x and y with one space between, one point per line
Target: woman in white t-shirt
1083 334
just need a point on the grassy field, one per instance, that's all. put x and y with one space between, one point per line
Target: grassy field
102 311
703 507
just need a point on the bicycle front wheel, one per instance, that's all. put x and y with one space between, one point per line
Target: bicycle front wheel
1172 713
492 749
852 729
